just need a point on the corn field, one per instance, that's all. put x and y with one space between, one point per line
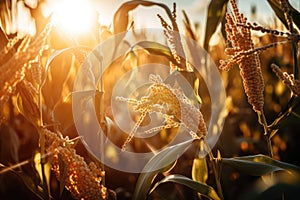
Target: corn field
120 112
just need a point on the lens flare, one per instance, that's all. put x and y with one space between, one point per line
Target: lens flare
73 16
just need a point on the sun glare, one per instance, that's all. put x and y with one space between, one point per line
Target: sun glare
73 16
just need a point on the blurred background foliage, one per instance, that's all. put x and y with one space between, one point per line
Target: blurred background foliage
241 136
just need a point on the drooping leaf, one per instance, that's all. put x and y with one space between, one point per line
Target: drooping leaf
157 49
75 50
121 15
290 115
31 185
203 189
28 180
282 184
289 191
258 165
62 113
276 6
215 14
27 103
161 162
120 20
57 73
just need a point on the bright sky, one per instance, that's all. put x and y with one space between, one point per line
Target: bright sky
195 8
144 17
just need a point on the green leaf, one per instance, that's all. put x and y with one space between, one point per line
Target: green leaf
203 189
161 162
258 165
215 14
276 6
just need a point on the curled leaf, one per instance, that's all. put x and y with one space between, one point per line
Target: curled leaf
157 49
203 189
161 162
121 15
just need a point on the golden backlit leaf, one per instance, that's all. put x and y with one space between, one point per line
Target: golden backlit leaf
157 49
203 189
199 170
215 14
27 103
47 169
160 162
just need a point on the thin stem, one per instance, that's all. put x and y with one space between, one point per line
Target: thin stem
263 122
102 120
216 169
43 162
44 179
39 95
40 107
270 149
42 141
11 111
295 58
289 19
267 133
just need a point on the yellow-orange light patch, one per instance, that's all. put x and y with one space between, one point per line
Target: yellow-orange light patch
73 16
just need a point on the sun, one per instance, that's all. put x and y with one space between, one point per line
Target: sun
73 16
